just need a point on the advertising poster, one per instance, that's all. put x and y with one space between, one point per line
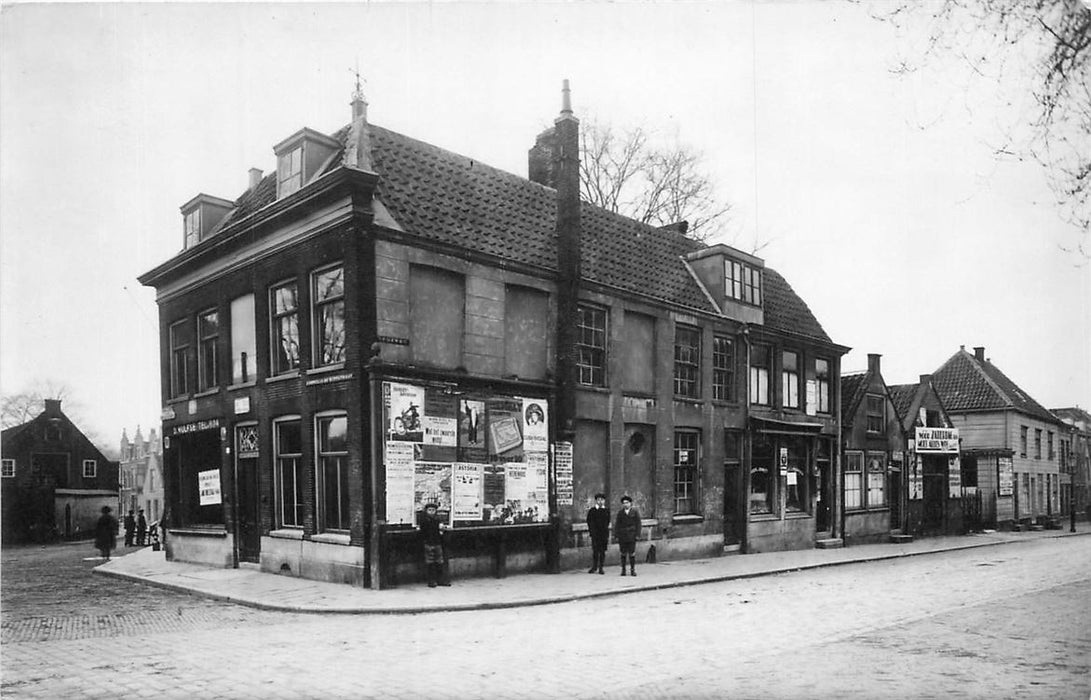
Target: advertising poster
535 425
504 416
515 484
400 488
432 484
466 491
440 431
562 464
954 477
1005 476
471 429
538 486
916 483
493 492
208 484
405 412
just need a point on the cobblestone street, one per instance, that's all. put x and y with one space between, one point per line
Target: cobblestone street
994 622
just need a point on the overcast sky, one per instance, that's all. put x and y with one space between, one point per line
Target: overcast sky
876 191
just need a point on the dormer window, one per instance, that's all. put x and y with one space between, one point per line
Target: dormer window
290 172
193 228
201 216
742 282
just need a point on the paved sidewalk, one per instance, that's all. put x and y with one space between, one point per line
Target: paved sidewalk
248 586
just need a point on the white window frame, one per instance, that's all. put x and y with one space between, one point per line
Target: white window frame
192 225
789 380
290 172
318 339
856 470
320 469
90 468
7 468
278 479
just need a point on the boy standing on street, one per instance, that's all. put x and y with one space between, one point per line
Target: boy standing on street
626 530
598 525
431 531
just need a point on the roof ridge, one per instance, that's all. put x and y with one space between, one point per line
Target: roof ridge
977 365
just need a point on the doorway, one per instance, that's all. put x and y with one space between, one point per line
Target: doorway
248 516
935 493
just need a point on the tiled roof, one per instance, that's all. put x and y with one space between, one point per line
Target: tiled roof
853 388
445 197
1074 416
965 383
902 395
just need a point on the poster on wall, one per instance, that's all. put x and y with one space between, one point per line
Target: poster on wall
208 486
405 412
504 416
954 477
466 491
1005 476
535 426
471 429
492 488
916 483
440 431
562 465
538 485
432 484
400 487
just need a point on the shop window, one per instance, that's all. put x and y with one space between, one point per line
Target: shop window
591 345
822 385
723 369
876 479
687 362
759 374
179 340
854 476
332 451
243 339
288 446
876 413
208 340
328 300
1037 443
687 461
90 468
797 493
789 379
1023 440
762 486
284 316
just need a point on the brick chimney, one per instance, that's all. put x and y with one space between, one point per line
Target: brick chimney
873 363
565 168
53 407
979 353
255 177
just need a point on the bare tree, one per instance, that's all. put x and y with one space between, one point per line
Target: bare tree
1046 44
625 172
19 408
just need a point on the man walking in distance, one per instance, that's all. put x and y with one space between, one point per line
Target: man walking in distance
626 530
141 527
598 526
130 525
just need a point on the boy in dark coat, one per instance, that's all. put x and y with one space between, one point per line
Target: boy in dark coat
598 525
106 533
431 534
626 530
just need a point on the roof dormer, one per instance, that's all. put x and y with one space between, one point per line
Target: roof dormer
300 158
200 216
733 279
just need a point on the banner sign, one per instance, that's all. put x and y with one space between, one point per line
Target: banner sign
208 486
943 440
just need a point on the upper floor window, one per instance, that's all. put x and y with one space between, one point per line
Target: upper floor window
179 354
687 445
723 369
1037 443
687 361
208 337
333 488
1049 445
591 345
876 413
192 224
822 385
7 468
742 282
90 468
1023 440
789 379
759 374
290 172
329 316
285 319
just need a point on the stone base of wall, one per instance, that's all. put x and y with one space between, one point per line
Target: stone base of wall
211 549
780 535
317 561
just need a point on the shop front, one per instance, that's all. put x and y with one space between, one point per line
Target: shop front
192 454
935 503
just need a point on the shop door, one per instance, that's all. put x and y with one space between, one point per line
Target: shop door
935 494
734 518
895 500
824 489
249 530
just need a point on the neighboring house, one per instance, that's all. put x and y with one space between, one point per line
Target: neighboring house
382 323
54 480
939 479
873 457
1076 459
994 417
142 474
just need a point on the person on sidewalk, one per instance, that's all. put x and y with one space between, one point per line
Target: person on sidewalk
431 530
598 526
130 526
106 533
626 530
141 527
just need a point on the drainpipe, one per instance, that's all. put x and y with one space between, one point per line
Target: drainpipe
837 521
748 444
